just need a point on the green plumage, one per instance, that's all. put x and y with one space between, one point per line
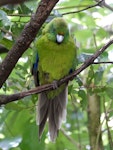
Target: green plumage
56 60
57 53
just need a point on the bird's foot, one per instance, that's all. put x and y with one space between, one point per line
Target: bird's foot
55 85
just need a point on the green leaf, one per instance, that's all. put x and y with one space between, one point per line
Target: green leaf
30 138
98 75
6 42
4 19
83 35
79 81
14 106
83 96
109 92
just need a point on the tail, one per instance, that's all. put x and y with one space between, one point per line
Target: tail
54 110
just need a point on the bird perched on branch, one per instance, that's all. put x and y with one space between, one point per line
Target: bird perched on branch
56 54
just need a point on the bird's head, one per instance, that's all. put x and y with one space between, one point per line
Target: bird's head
57 30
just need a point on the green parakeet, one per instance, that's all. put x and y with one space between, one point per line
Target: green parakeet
56 54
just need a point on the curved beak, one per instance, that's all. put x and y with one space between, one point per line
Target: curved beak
59 38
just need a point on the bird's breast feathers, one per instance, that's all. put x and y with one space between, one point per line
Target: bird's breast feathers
55 59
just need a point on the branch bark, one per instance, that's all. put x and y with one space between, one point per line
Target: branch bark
9 98
104 4
27 36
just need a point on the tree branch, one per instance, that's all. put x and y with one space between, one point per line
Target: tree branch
91 6
104 62
87 63
104 4
70 139
4 99
8 32
27 36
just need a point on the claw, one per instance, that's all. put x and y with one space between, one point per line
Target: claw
55 85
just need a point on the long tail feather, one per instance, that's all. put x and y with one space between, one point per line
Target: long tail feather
57 113
42 112
55 110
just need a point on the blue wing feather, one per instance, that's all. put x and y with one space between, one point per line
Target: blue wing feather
35 70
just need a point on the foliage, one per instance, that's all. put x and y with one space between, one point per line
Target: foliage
90 29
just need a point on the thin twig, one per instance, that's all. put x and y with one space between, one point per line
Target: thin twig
104 4
70 7
70 138
8 32
20 15
108 7
103 62
91 6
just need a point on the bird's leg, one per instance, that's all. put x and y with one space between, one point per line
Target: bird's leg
55 85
